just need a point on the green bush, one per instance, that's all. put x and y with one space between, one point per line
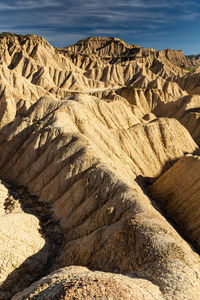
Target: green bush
189 69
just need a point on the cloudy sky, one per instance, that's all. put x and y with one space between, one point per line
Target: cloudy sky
158 24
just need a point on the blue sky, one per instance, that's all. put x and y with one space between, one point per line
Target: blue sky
158 24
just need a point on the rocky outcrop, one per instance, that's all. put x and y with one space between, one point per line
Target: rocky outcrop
23 254
29 237
189 82
105 46
81 283
186 110
176 58
178 192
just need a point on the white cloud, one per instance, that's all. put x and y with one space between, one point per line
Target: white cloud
30 4
64 20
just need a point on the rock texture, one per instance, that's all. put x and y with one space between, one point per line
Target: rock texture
178 192
81 283
96 200
21 243
29 237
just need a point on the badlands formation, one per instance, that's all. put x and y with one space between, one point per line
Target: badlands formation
100 171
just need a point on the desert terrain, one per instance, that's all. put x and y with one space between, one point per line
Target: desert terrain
99 171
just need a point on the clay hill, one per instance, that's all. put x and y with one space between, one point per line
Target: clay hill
99 170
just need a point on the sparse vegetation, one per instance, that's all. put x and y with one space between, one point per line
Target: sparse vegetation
189 69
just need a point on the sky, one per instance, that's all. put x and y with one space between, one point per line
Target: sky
158 24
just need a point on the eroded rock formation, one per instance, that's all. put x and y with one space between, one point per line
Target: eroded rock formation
95 143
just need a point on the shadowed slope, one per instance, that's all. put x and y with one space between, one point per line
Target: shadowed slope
178 191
